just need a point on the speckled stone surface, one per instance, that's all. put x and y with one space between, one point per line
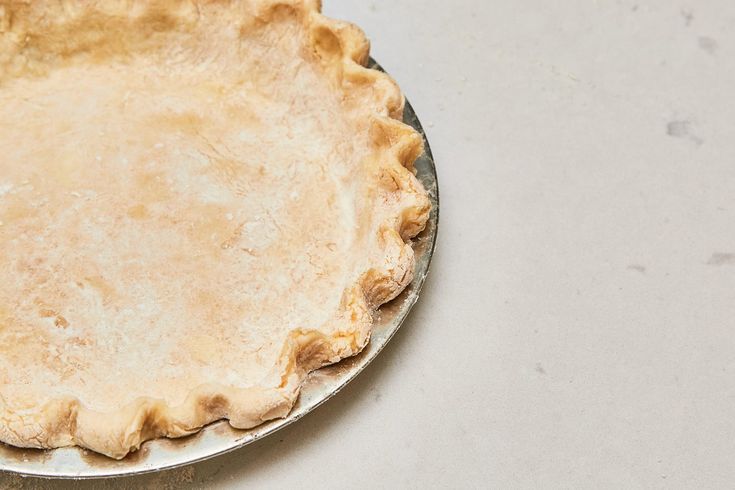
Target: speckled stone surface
576 330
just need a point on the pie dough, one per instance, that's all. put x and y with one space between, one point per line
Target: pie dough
200 202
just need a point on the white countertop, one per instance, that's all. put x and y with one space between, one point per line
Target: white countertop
577 327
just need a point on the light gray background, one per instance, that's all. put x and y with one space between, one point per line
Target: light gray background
576 329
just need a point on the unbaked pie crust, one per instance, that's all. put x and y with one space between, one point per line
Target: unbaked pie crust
200 202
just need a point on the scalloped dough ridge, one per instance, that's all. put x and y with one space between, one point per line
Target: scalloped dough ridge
100 43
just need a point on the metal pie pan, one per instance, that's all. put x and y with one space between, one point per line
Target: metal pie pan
219 438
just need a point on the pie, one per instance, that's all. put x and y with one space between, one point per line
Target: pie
200 203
